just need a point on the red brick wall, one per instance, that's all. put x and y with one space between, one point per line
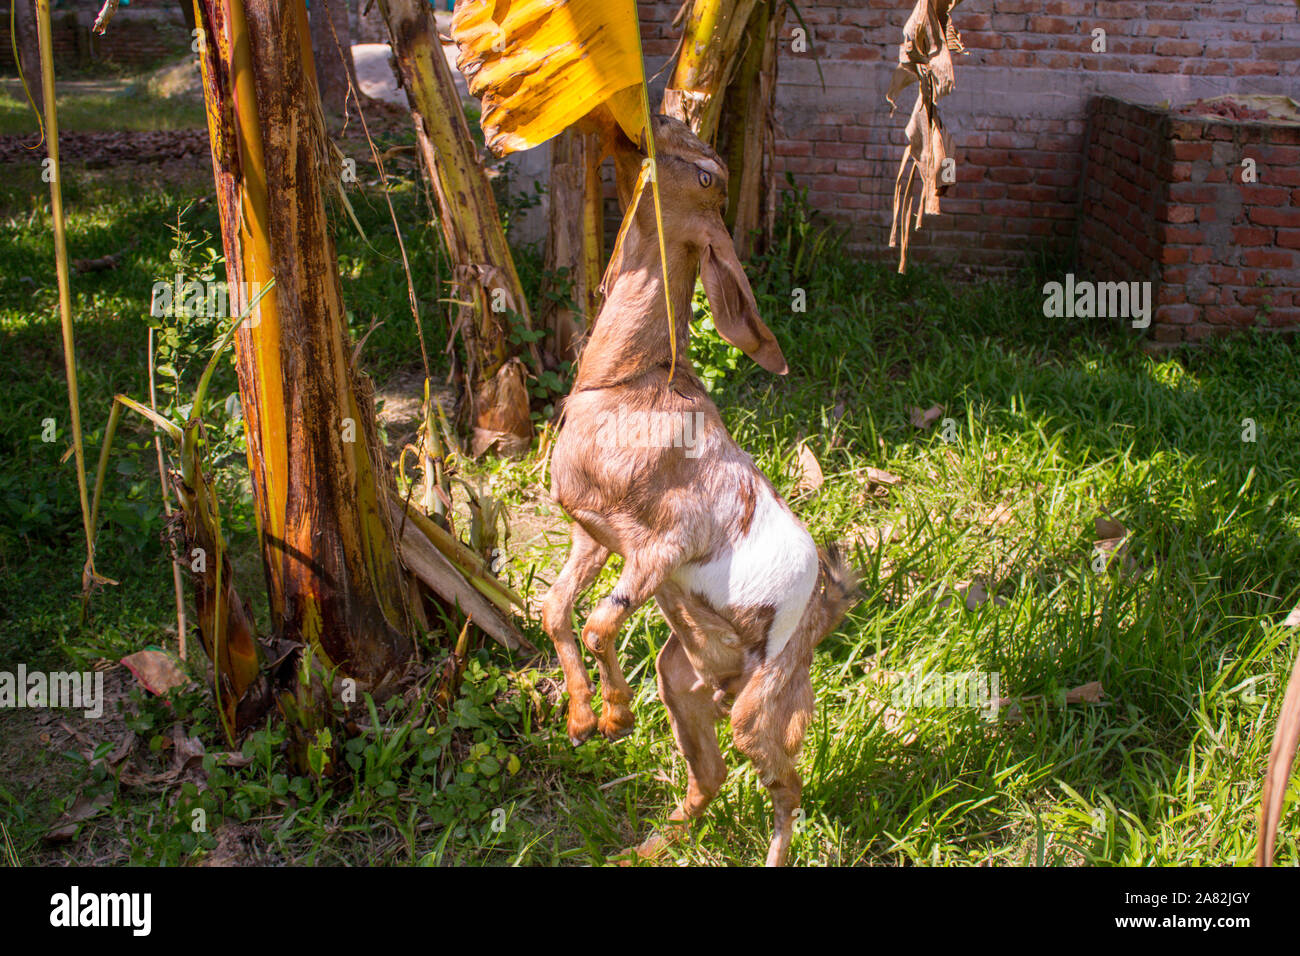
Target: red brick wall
1168 199
1018 113
1127 157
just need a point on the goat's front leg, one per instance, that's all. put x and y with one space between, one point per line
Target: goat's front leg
640 579
586 558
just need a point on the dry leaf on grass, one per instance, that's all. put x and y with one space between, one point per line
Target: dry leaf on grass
810 470
873 538
82 809
973 594
998 516
1109 528
156 671
878 476
926 418
877 485
891 721
1089 693
1113 543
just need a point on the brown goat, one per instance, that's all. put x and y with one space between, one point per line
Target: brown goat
646 469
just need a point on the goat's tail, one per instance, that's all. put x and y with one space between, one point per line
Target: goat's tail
836 591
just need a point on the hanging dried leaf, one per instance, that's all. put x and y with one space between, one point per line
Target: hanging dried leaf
925 58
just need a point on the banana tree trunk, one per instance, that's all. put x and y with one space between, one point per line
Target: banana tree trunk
485 281
724 87
574 241
710 50
333 577
747 138
331 40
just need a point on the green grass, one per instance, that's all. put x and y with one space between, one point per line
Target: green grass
118 103
1058 422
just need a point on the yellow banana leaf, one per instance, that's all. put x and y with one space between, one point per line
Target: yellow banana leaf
541 65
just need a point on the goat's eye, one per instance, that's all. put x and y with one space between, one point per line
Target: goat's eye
705 177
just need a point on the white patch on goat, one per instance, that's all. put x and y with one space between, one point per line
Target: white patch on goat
774 564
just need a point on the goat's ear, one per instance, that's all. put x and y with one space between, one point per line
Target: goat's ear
735 313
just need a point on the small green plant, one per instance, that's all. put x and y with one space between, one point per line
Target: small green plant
185 328
715 359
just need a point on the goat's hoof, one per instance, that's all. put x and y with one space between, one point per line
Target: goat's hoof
617 722
654 845
581 728
593 641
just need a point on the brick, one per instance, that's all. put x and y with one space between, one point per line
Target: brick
831 150
1275 216
1178 48
1191 150
1186 128
1008 174
1176 314
1176 213
1275 155
1192 193
1268 258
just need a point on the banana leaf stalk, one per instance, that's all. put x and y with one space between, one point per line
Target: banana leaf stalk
177 585
747 137
241 689
88 576
484 272
574 241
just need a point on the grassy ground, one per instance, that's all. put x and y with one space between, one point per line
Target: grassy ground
1052 425
129 103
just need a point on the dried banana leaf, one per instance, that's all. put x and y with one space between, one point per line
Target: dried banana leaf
924 58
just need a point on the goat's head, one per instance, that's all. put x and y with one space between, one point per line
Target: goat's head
693 192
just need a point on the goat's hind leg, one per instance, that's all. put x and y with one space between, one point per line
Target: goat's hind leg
693 715
639 580
586 558
769 729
